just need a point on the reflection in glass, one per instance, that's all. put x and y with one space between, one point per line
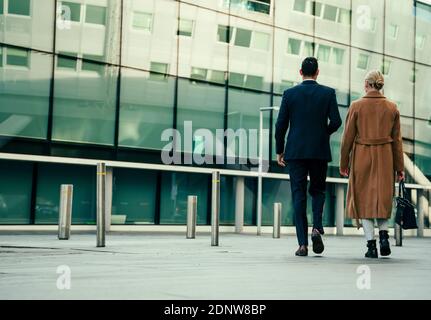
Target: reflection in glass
146 109
24 92
84 104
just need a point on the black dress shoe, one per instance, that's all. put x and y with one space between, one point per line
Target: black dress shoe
372 249
302 251
385 248
316 238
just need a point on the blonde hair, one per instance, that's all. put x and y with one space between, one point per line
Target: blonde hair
375 79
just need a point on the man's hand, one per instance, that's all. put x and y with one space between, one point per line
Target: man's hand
400 176
280 160
344 172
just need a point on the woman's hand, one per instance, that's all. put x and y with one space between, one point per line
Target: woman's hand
400 176
280 160
344 172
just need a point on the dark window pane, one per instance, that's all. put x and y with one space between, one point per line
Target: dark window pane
51 177
217 76
294 46
15 192
96 15
69 62
173 197
133 198
254 82
224 33
300 5
236 79
17 57
89 65
330 13
243 37
21 7
186 28
71 11
1 6
199 73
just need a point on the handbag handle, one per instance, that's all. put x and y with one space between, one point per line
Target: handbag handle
402 189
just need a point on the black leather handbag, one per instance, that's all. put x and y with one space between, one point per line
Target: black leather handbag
405 211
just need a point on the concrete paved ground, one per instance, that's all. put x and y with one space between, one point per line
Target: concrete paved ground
168 266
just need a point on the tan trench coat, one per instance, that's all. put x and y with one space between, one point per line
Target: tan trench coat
372 149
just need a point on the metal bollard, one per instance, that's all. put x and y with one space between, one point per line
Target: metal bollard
65 217
398 234
277 220
192 202
100 205
215 208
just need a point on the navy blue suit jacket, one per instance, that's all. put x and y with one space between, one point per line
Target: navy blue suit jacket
310 112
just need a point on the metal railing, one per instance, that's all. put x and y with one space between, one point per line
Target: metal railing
421 190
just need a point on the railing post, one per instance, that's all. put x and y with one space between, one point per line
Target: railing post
65 212
191 216
423 207
277 220
100 204
239 204
339 208
215 208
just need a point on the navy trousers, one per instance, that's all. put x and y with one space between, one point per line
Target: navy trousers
299 170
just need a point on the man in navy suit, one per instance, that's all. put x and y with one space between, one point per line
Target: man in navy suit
310 112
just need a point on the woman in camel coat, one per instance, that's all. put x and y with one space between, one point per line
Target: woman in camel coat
371 151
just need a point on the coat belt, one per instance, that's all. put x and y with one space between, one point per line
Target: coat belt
374 142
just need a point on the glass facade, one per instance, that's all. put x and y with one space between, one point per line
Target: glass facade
103 79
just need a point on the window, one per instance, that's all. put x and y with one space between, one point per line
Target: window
294 46
236 79
142 21
243 38
17 57
261 40
363 60
420 41
344 16
71 11
92 65
323 53
198 73
254 82
69 62
393 31
300 5
386 66
1 6
337 56
224 34
96 15
308 49
217 76
330 13
19 7
159 71
262 6
318 9
185 28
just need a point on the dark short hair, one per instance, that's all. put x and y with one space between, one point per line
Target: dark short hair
309 66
